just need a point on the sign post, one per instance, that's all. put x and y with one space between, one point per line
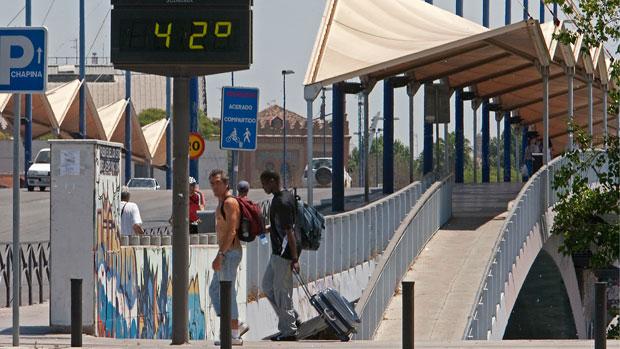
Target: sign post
23 69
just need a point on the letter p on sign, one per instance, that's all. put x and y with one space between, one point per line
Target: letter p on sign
7 45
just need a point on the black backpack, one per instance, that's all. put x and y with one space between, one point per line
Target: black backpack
309 224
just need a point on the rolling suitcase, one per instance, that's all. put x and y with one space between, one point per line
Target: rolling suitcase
334 309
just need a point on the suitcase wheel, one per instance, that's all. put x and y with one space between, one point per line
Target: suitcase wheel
344 338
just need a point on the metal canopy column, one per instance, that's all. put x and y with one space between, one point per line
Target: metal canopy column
507 143
486 173
128 126
498 119
507 121
604 88
459 138
310 93
428 139
411 95
545 76
475 109
459 166
366 148
570 72
485 111
388 137
590 79
338 114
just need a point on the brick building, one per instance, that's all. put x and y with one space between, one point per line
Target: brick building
269 151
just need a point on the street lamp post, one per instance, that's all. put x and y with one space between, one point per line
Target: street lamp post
284 74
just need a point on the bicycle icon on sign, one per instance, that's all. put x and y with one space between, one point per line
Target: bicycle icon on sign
234 138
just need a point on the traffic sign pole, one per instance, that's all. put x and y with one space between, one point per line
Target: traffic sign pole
16 267
180 216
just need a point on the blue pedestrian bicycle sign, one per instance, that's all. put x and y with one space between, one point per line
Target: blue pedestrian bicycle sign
239 118
23 60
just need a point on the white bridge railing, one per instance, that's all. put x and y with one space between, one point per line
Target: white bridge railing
350 238
527 211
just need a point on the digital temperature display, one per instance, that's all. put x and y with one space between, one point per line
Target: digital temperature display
181 39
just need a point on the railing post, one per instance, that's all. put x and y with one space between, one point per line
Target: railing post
408 311
600 315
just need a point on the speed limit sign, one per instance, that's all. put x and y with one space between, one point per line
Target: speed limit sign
196 145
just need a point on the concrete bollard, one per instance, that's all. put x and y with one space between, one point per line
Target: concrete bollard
134 240
166 240
76 312
212 239
600 315
408 311
203 239
145 240
155 240
193 239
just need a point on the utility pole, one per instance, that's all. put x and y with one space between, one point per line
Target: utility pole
180 217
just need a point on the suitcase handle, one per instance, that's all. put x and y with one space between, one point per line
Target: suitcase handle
303 284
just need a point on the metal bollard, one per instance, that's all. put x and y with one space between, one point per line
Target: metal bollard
225 316
600 315
408 311
76 312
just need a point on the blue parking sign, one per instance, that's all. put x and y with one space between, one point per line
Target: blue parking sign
239 126
23 60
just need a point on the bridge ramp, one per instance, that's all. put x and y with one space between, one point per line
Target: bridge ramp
450 268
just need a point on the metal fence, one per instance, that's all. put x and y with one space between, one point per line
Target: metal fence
34 268
528 209
432 210
350 239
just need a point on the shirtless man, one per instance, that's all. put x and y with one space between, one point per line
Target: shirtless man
229 254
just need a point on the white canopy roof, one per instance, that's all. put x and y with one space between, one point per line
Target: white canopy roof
357 37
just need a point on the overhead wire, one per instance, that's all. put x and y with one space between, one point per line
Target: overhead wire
98 33
49 9
15 17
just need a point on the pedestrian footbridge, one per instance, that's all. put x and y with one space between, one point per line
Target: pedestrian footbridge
469 248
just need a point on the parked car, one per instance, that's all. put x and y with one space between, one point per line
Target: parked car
39 171
322 173
143 184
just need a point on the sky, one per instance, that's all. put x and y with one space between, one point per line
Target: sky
284 36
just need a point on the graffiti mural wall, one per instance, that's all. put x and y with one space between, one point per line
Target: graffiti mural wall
134 284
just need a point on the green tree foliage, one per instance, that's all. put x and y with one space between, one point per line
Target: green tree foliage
587 216
208 128
151 115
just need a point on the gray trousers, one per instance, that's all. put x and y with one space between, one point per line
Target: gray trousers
278 286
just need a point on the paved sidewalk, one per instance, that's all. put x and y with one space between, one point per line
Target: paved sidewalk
35 334
447 275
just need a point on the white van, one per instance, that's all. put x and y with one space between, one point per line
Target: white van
39 171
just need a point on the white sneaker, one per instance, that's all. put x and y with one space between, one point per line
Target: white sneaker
243 328
235 341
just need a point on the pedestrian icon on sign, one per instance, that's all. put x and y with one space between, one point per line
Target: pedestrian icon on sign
247 135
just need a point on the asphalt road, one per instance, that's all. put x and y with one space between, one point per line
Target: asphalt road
155 208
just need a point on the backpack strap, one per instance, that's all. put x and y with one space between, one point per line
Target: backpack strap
123 209
222 206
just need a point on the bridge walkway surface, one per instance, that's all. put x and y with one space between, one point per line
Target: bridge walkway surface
449 270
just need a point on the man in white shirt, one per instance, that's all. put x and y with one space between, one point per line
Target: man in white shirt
130 215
